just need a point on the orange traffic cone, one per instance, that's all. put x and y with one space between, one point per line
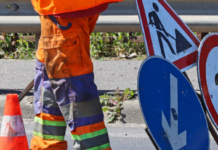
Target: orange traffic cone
13 136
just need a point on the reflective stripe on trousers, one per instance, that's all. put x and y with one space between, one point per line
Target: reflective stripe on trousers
65 92
87 126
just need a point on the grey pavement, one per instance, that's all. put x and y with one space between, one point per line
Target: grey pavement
125 134
122 136
16 74
109 75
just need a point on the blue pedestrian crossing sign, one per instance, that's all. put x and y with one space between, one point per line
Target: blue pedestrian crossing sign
171 108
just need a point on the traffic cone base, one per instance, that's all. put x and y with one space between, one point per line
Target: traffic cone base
16 143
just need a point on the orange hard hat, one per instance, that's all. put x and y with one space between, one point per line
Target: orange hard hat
50 7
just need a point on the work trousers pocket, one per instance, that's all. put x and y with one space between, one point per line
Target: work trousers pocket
62 55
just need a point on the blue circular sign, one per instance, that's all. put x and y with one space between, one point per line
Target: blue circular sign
171 108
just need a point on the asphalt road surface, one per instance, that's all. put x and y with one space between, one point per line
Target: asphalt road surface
126 134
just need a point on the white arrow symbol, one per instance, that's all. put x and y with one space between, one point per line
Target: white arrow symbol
176 140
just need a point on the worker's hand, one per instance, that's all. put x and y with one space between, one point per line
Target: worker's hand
151 23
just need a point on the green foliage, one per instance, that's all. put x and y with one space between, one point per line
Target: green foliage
105 108
102 45
113 104
99 46
128 93
14 48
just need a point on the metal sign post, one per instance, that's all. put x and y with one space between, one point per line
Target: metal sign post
150 137
167 99
26 90
211 128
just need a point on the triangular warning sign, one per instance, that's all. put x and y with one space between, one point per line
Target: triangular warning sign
182 43
166 35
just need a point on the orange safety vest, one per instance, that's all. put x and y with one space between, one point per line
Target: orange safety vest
51 7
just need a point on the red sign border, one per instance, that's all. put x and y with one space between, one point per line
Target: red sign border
204 51
184 61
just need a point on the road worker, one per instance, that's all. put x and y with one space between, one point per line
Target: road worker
64 88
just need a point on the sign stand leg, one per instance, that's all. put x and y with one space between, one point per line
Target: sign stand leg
31 84
152 140
210 126
26 90
212 130
185 74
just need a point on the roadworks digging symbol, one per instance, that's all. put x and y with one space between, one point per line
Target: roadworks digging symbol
166 35
181 43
